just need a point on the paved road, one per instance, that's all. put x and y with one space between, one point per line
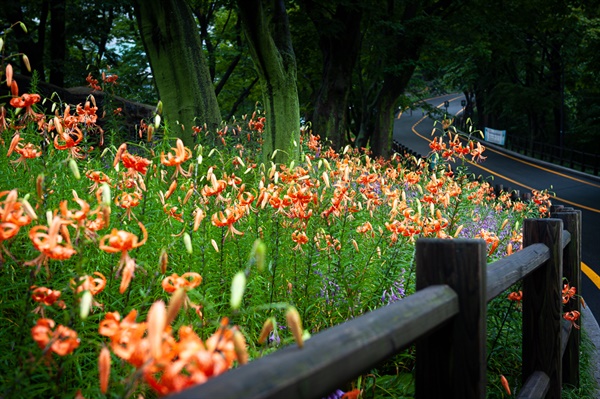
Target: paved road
413 129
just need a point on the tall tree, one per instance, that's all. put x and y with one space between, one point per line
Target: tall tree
338 26
170 36
397 32
267 30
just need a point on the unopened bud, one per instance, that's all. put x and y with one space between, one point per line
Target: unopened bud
74 168
295 324
259 254
187 241
163 261
9 75
239 344
106 197
28 209
458 230
104 369
238 286
177 300
156 121
26 62
268 326
198 217
85 304
14 88
149 133
157 321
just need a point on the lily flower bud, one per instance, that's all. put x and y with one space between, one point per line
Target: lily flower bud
238 286
295 324
268 326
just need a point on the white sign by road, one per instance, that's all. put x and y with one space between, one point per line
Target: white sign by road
495 136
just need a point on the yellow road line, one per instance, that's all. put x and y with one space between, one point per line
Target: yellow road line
542 168
584 268
509 179
591 274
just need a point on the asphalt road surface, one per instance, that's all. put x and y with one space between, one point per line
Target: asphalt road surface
571 188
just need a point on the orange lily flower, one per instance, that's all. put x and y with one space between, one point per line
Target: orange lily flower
12 215
180 154
187 280
27 151
136 163
26 101
300 238
61 341
231 215
128 201
87 114
572 316
89 283
50 243
123 241
77 217
568 292
217 187
98 178
127 337
68 140
46 296
516 296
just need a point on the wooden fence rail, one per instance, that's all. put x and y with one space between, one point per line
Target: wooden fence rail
446 318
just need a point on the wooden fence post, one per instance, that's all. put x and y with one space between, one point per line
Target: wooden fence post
572 274
451 361
542 305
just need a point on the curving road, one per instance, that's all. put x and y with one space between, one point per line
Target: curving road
571 188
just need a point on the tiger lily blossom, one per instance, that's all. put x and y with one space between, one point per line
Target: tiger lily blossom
179 155
123 242
61 340
186 280
53 242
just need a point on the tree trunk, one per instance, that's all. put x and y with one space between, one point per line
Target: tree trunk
401 63
58 42
394 85
339 47
271 50
174 49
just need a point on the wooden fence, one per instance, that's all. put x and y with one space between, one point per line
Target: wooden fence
446 318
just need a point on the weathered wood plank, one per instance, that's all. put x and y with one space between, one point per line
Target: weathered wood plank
566 330
454 355
542 305
572 274
507 271
337 355
535 387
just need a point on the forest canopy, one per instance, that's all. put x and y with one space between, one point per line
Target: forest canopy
340 67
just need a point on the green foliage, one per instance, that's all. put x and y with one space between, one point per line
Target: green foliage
337 232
